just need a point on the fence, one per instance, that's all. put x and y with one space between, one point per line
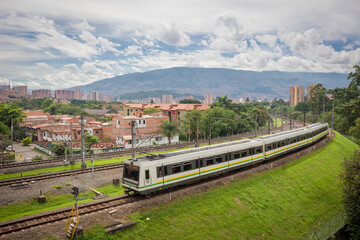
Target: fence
327 229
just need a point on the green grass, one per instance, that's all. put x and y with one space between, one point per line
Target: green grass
53 201
64 168
283 203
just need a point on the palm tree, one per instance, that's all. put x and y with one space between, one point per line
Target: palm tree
169 129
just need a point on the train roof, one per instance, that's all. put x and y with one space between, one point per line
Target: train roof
215 149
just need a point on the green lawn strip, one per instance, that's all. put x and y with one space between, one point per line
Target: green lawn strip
53 201
283 203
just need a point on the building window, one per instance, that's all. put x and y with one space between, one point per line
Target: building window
158 139
165 113
96 131
144 122
78 132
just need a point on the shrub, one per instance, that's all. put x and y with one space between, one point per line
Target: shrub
37 158
58 186
68 184
26 141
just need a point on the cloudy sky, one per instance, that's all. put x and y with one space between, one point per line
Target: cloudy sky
58 44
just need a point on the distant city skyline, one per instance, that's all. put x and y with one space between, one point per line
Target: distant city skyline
56 45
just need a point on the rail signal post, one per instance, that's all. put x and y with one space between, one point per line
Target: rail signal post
72 224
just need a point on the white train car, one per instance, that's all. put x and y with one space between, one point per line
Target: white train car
157 172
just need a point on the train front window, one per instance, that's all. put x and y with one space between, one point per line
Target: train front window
131 172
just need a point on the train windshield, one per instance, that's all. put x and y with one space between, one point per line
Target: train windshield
131 172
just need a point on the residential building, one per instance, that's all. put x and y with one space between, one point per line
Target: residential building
208 98
4 87
78 94
308 91
94 96
167 99
172 111
22 91
147 131
64 94
41 93
296 95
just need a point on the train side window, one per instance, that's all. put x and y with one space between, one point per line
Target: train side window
236 155
166 170
209 162
278 144
176 168
258 150
218 159
187 166
274 145
196 163
147 174
244 153
159 172
268 147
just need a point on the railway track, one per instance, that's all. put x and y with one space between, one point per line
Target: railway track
58 215
125 152
11 181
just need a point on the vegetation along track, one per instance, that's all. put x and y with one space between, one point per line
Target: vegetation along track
128 152
59 174
58 215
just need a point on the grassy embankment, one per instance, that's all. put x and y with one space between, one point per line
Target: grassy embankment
280 204
53 201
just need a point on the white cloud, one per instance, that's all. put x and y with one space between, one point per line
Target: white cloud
133 50
168 34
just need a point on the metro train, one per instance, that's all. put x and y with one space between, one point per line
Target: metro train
153 173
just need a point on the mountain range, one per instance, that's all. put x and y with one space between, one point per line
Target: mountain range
218 81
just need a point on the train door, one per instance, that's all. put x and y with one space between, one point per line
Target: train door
147 179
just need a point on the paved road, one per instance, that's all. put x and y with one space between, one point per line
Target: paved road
25 153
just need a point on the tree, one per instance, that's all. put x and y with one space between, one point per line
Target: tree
355 130
46 103
223 102
189 101
4 130
351 193
148 111
90 140
302 107
318 98
222 122
169 129
11 110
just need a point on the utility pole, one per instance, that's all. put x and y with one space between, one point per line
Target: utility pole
255 124
290 120
332 117
12 133
132 124
83 165
197 131
72 162
209 130
281 123
269 126
189 131
304 118
323 112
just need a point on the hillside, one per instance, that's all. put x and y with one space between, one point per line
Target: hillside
283 203
218 81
